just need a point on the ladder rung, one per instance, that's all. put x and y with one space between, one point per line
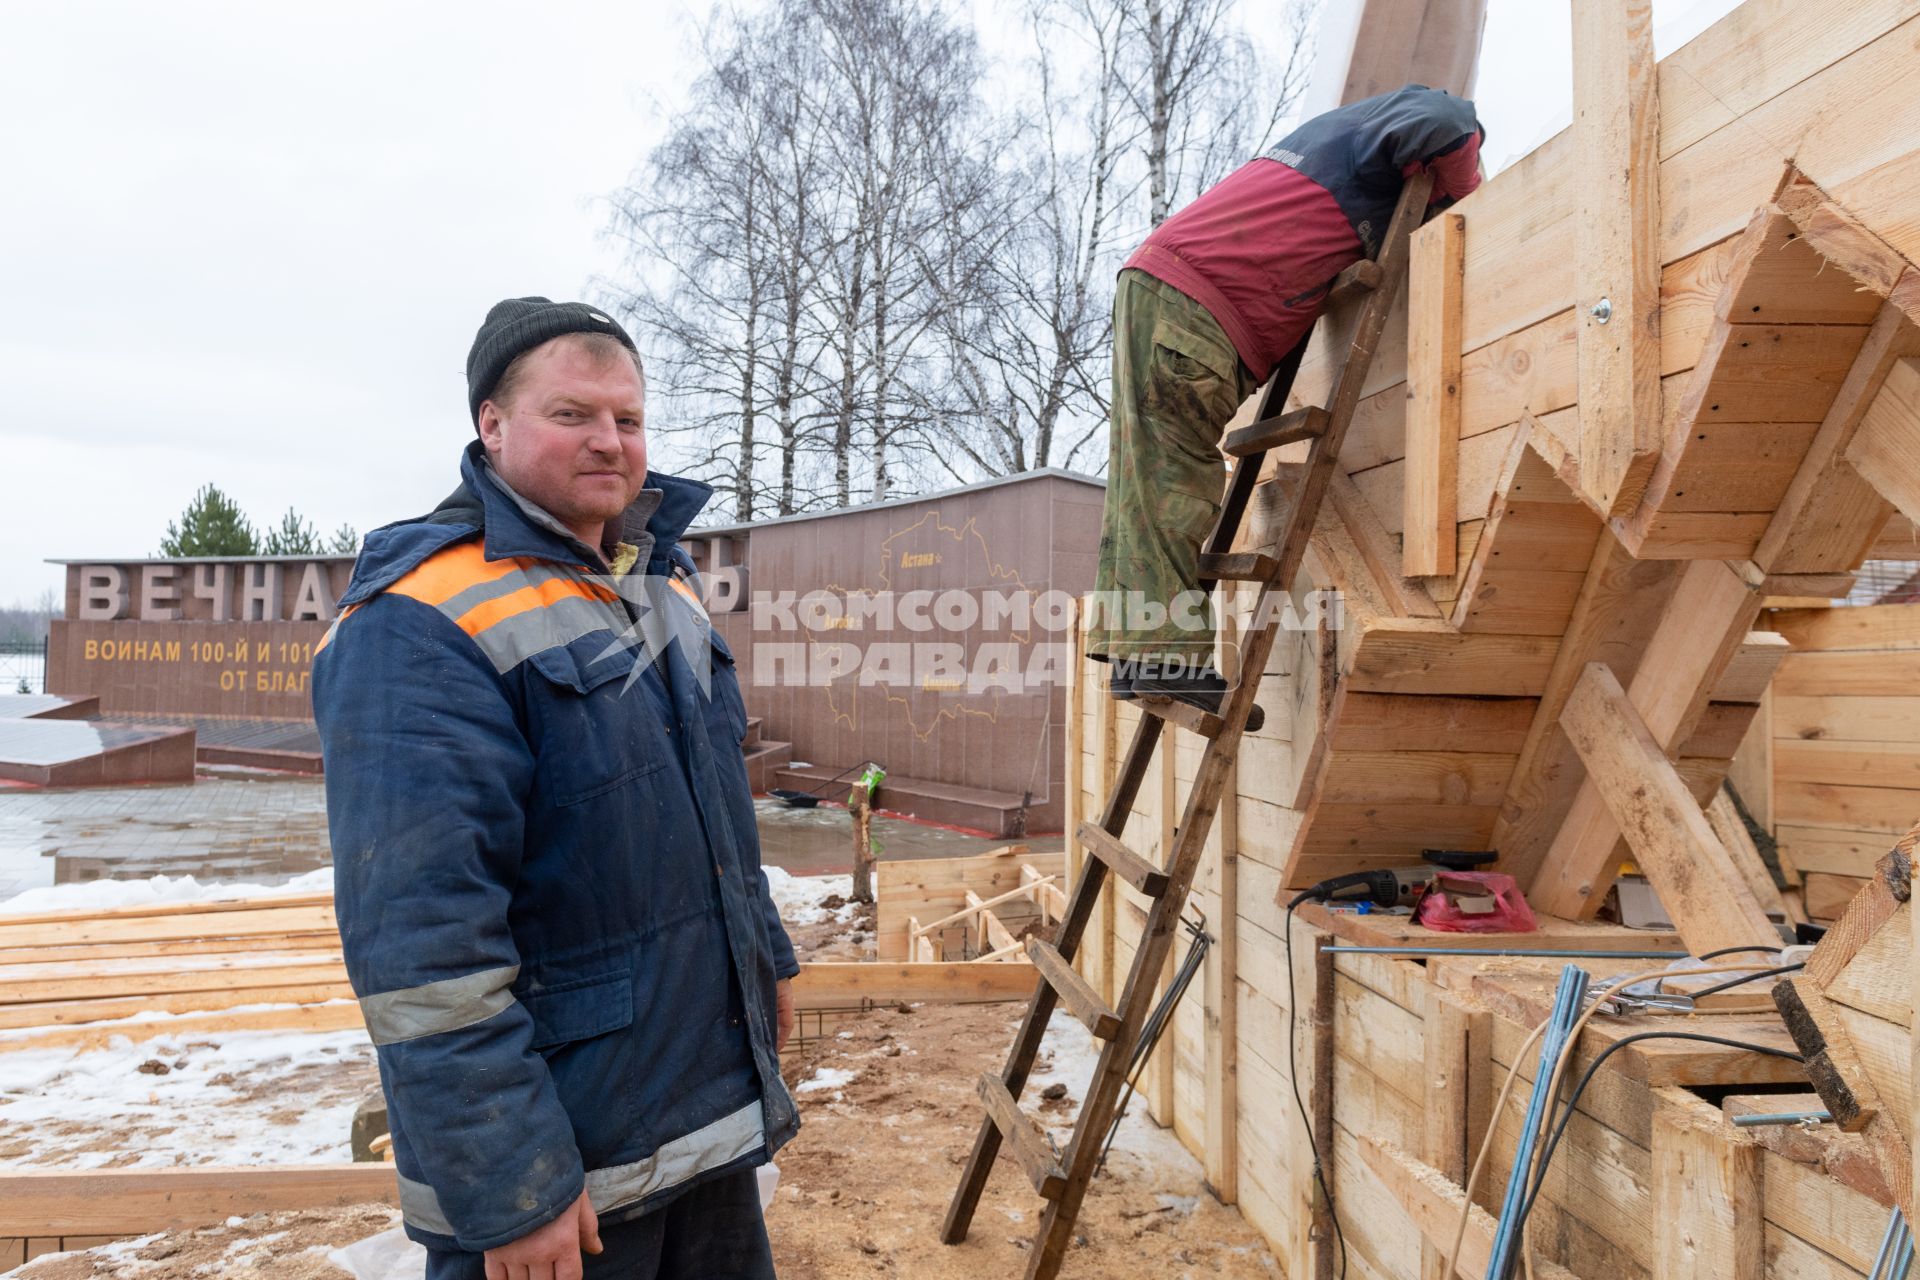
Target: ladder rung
1184 714
1238 566
1130 866
1031 1146
1363 276
1271 433
1074 991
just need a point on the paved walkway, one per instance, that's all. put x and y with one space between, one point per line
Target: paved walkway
270 828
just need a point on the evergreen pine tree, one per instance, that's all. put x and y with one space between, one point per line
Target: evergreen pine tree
346 541
293 537
211 526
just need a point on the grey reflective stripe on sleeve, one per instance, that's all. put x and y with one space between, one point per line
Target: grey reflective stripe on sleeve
722 1142
435 1007
421 1207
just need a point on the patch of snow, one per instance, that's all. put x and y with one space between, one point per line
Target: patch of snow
1070 1056
98 895
801 899
226 1098
826 1078
386 1256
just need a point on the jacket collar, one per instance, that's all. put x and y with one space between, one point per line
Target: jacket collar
511 526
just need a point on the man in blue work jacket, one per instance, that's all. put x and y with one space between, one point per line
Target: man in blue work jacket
546 865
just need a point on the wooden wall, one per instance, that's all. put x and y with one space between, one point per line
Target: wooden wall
1832 766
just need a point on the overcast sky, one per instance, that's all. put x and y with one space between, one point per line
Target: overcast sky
250 245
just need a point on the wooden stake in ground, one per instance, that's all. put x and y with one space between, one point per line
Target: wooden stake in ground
860 808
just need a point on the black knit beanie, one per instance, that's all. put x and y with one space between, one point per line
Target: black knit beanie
518 325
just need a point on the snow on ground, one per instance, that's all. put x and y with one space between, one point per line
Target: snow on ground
826 1078
1071 1053
803 899
250 1098
99 895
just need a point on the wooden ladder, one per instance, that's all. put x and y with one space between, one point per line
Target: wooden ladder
1061 1178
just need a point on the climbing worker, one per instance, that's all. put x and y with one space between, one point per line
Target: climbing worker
547 872
1203 311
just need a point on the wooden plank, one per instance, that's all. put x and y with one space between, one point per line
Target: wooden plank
1829 515
1457 1042
1027 1142
139 1201
1880 626
343 1015
1867 916
1434 1201
1828 896
1619 608
1708 1222
73 1012
1414 655
1396 722
1888 809
249 921
1435 284
1842 239
1877 982
1616 128
1833 851
1405 596
1080 999
1885 449
1863 764
1671 840
1142 874
1221 1141
829 985
1849 673
1703 625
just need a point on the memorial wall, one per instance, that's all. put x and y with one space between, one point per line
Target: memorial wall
195 637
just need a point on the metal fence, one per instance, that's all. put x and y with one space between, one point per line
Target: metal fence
23 667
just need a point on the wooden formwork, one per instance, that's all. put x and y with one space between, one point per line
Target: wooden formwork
1555 543
971 908
1831 767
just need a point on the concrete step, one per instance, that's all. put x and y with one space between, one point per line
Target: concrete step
765 759
997 813
752 739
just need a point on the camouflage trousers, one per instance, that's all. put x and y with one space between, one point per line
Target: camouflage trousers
1176 382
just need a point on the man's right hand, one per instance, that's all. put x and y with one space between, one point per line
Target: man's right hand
553 1251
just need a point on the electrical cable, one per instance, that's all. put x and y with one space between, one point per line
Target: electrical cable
1600 996
1731 983
1735 951
1593 1068
1293 1080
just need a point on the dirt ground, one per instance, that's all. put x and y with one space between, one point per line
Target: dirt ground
889 1113
864 1188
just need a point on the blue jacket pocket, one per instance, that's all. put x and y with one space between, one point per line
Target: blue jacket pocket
579 1010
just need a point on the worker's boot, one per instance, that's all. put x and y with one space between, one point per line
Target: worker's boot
1197 685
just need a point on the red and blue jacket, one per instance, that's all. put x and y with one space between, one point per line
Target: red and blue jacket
547 871
1259 249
